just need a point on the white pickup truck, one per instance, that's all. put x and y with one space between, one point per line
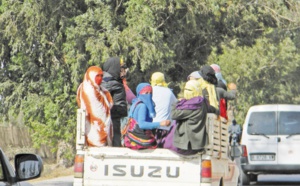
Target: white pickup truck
95 166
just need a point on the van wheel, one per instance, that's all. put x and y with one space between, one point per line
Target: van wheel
245 178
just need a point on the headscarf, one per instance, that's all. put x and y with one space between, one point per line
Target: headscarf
192 89
195 75
218 74
208 74
94 76
113 67
144 94
220 78
216 68
211 90
158 79
90 92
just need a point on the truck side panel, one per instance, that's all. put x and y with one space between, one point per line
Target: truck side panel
158 167
96 166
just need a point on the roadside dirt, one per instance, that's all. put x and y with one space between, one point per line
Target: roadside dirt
53 171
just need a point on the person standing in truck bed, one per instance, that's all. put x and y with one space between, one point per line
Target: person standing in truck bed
208 81
114 71
97 102
223 94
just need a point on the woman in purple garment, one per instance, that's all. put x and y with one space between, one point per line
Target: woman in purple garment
190 114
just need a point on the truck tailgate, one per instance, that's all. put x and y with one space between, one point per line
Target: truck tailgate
123 166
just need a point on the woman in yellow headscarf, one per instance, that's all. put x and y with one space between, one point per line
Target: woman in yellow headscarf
208 82
190 115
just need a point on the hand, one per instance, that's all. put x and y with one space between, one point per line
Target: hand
232 86
165 123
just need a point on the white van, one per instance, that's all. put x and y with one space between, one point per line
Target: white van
270 141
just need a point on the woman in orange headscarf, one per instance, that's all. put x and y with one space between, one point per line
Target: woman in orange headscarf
97 102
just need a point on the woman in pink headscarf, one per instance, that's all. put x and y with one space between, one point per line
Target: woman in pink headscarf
223 94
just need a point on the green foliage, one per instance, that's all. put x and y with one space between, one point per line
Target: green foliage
46 47
36 81
262 72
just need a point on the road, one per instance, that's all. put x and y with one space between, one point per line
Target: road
286 180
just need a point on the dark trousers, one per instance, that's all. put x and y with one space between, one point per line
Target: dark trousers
117 132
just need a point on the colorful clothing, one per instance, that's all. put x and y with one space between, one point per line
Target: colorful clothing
190 116
129 94
208 83
223 94
139 135
97 102
209 91
223 97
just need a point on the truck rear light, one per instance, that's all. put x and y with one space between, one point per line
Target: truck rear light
244 151
206 171
78 166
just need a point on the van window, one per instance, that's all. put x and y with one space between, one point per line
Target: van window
262 123
289 123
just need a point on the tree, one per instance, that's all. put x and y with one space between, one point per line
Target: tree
35 78
47 45
263 72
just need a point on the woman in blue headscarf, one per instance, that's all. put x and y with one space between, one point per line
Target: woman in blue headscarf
139 134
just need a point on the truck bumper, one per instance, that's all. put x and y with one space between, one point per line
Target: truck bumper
78 182
276 169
